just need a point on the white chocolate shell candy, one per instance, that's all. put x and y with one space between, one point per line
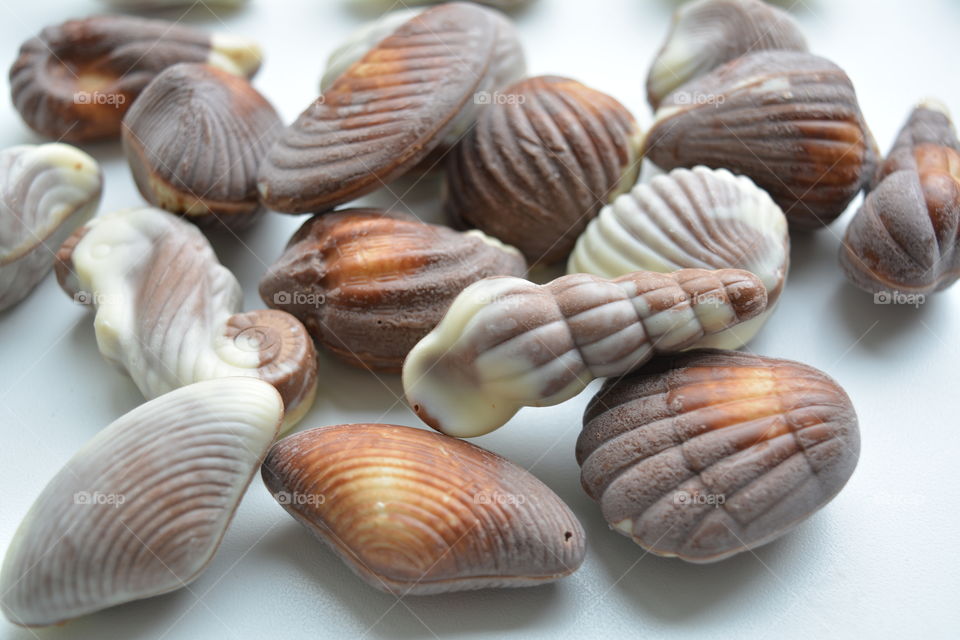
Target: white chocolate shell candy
46 192
704 219
708 33
168 313
415 513
141 508
506 343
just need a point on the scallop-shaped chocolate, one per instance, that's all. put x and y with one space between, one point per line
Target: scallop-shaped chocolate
540 163
699 219
46 192
195 138
76 80
708 33
369 284
385 114
141 508
708 453
168 313
789 121
415 513
904 238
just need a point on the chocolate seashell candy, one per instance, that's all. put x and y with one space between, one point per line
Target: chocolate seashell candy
706 454
708 33
904 237
369 284
413 512
789 121
194 140
699 219
76 80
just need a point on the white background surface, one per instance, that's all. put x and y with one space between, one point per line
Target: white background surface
881 560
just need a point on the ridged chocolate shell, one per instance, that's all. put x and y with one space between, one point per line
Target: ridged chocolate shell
368 285
194 140
46 192
507 343
415 513
540 163
788 121
699 219
168 313
76 80
140 510
706 454
708 33
904 237
385 114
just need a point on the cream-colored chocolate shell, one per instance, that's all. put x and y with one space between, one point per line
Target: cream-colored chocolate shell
46 192
140 510
507 343
415 513
702 219
168 313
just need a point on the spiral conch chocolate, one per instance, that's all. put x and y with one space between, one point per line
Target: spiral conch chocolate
507 343
703 219
168 313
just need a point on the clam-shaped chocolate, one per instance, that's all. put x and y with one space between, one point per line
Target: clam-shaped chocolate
195 138
703 219
168 313
708 33
789 121
141 508
385 113
76 80
415 513
507 343
708 453
46 192
369 284
540 163
904 238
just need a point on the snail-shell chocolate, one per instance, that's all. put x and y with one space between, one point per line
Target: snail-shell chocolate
703 219
46 192
76 80
414 512
789 121
368 284
507 343
708 453
194 140
708 33
168 313
140 510
904 237
540 163
385 114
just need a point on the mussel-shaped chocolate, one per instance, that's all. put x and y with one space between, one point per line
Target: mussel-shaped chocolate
76 80
789 121
540 163
195 138
385 113
904 238
369 284
414 513
708 33
507 343
46 192
168 313
708 453
702 219
140 510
